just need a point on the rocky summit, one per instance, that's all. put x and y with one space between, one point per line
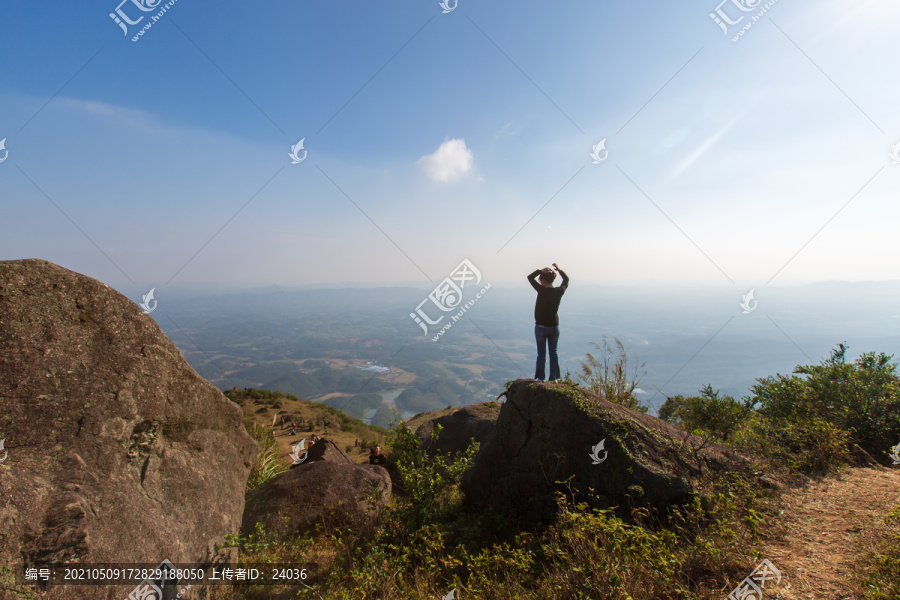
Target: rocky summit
458 429
553 437
117 450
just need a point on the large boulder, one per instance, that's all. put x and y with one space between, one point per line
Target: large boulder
458 429
328 451
547 433
117 450
315 492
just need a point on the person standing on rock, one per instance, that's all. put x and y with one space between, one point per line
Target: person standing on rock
546 319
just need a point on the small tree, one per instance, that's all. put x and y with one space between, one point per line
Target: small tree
707 414
425 477
608 376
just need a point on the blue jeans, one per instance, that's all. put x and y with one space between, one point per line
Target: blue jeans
546 337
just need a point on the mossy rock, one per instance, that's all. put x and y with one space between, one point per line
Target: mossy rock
550 433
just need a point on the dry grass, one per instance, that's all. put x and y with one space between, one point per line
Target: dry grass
827 525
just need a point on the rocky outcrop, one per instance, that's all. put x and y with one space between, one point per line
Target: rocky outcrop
458 429
549 432
316 492
328 451
117 450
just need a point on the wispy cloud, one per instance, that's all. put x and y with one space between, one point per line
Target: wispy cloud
509 130
130 116
701 150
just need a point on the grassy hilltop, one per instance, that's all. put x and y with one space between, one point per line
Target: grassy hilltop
262 407
810 431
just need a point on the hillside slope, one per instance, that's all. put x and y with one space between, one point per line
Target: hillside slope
262 407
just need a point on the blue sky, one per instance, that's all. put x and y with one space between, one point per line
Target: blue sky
764 161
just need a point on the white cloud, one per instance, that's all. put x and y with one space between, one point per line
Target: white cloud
450 161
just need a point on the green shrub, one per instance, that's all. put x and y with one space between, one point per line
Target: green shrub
861 398
584 554
267 464
707 415
425 477
808 445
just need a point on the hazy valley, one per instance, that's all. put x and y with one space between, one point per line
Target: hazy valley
359 350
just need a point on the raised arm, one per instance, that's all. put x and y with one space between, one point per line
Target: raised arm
565 278
531 280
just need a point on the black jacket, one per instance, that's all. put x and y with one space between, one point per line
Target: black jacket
547 303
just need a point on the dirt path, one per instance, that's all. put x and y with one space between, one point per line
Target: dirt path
828 525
